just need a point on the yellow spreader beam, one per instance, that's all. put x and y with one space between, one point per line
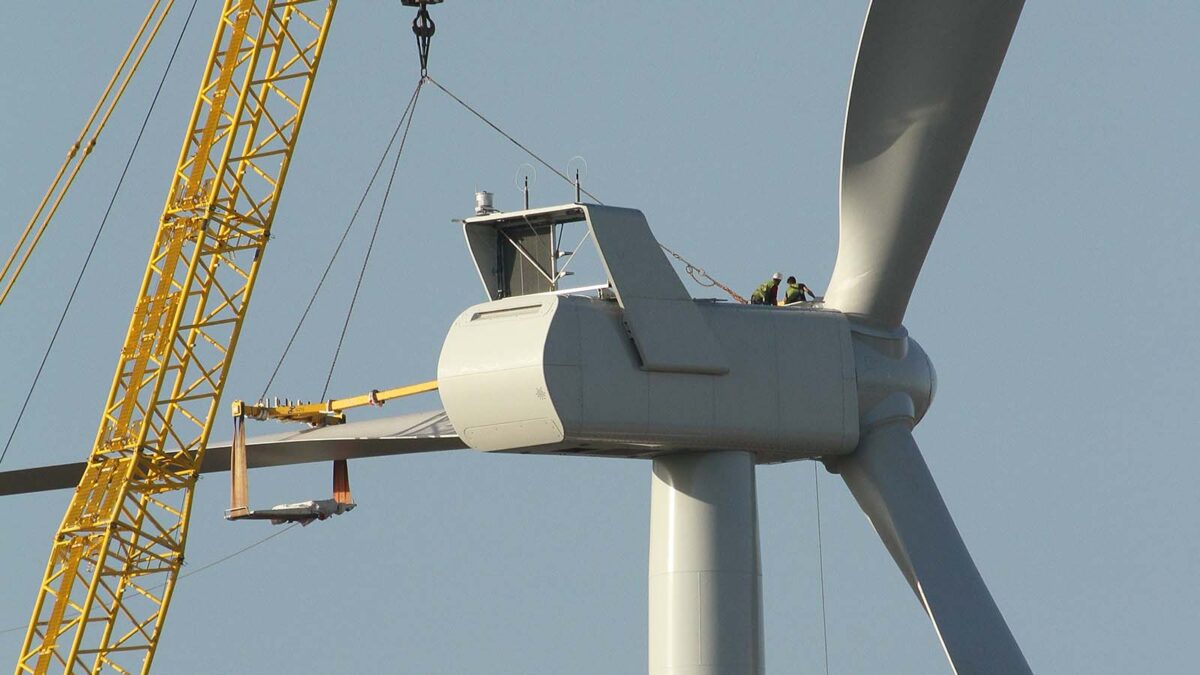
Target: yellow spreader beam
328 412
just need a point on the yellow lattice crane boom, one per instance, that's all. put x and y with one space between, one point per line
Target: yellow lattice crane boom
117 554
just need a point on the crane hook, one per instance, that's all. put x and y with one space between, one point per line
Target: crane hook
424 28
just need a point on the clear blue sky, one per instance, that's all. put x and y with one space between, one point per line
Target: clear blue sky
1058 303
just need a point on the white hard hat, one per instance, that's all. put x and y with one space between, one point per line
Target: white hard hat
777 276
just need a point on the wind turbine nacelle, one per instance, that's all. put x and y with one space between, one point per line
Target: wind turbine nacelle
562 374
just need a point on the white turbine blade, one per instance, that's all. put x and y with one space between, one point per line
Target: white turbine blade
41 478
401 435
892 484
924 73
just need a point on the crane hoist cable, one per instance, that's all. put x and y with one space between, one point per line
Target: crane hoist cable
694 271
423 28
99 230
62 182
400 125
410 110
319 414
508 136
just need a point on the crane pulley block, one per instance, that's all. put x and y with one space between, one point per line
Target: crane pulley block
424 28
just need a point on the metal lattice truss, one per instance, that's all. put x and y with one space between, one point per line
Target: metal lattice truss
118 552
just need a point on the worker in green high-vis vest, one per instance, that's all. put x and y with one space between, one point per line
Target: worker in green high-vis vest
768 292
796 292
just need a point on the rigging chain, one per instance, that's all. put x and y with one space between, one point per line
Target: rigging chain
700 276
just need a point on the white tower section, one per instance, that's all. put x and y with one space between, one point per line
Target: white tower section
705 574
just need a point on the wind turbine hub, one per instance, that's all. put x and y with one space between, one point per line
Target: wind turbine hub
895 378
